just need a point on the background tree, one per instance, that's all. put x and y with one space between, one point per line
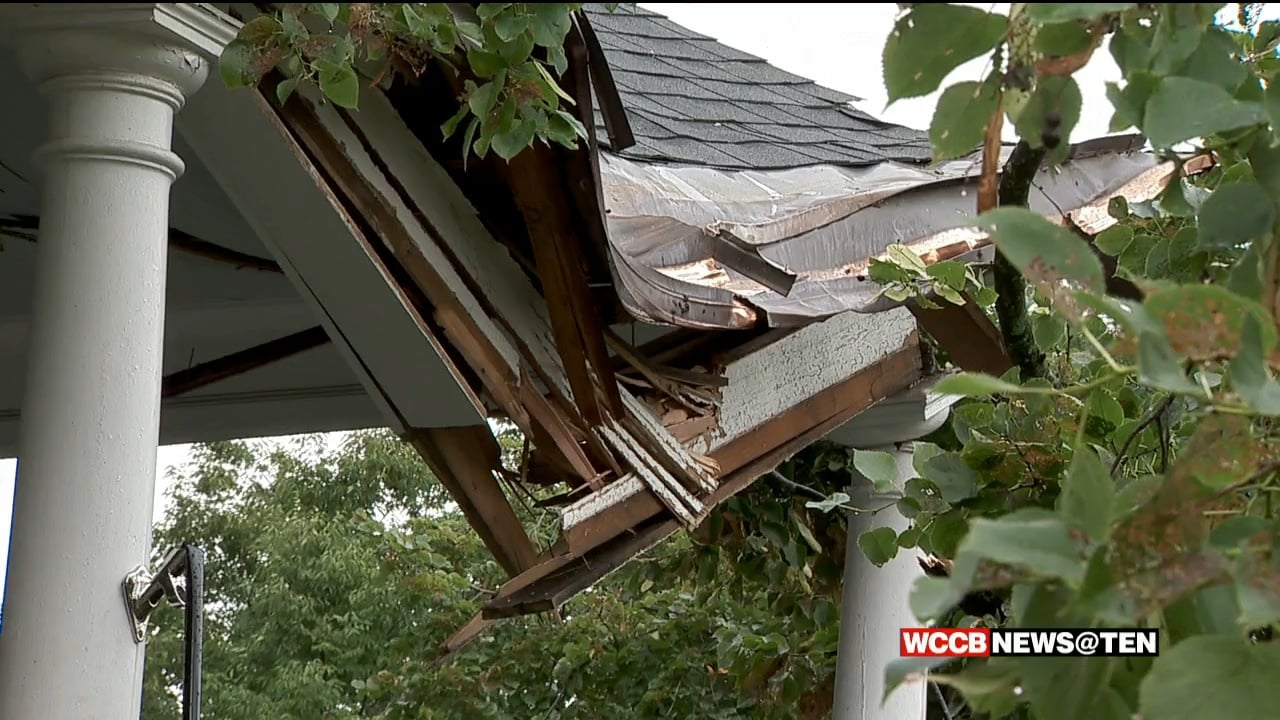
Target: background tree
333 577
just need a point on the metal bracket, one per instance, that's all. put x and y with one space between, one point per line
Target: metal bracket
135 586
143 591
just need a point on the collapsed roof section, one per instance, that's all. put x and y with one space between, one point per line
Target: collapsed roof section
734 205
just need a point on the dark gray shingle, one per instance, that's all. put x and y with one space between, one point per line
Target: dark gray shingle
693 100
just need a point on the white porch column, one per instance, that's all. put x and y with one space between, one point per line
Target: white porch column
877 600
114 75
875 607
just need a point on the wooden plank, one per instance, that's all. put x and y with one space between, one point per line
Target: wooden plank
477 346
464 459
554 589
548 424
238 363
967 335
557 252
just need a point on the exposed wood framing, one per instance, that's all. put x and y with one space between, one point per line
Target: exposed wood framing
631 526
967 334
771 442
542 360
557 252
466 460
27 227
238 363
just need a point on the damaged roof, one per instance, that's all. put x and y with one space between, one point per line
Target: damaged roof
681 210
693 100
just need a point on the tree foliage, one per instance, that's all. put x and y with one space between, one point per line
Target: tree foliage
511 55
1131 482
333 577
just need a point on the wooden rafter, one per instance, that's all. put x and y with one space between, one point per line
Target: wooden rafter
238 363
466 461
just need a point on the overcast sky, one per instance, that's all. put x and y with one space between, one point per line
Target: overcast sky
837 45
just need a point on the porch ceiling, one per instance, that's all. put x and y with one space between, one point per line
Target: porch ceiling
215 308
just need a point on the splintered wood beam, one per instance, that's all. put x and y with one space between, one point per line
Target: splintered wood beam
577 327
552 590
464 460
540 592
756 451
238 363
967 335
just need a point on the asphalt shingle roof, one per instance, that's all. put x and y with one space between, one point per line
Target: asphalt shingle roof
693 100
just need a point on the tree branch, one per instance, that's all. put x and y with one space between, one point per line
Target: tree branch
1010 286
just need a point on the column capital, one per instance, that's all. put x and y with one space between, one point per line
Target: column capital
171 42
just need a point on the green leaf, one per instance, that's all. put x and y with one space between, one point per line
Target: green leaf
484 97
1088 494
833 501
488 11
510 25
880 468
1183 109
1259 604
340 84
955 479
1114 239
1235 214
1249 376
1045 13
1030 539
330 10
905 258
510 143
933 39
1048 330
1246 276
946 532
517 50
949 272
911 669
467 138
1273 106
1053 95
979 679
879 545
931 597
450 126
1232 532
1159 367
921 453
485 63
1212 676
1213 61
285 89
975 385
1130 103
1065 38
550 26
961 117
234 63
1205 321
1044 252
